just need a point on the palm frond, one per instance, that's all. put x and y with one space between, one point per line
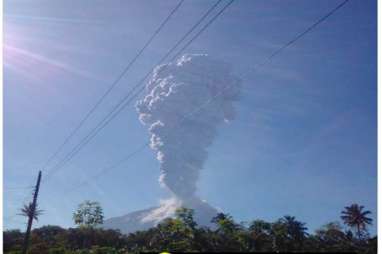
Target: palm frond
27 211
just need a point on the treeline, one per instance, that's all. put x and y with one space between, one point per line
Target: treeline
183 234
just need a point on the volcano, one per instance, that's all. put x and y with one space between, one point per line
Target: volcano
147 218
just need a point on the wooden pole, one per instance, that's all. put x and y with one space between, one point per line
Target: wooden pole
31 215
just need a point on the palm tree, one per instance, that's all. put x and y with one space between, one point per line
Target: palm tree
356 218
27 210
296 230
260 231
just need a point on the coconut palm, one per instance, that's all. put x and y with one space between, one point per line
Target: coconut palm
296 229
27 211
356 218
288 234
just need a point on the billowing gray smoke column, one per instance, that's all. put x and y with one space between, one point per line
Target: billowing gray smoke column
185 102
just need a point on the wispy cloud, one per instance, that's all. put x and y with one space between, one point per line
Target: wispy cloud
38 65
51 19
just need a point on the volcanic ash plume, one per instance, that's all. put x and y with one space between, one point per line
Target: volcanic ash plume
186 100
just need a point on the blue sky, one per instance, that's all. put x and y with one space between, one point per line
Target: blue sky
304 141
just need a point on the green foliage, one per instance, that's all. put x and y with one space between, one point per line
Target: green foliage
186 216
182 234
88 214
229 235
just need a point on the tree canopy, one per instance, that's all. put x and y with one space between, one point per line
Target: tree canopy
182 233
88 214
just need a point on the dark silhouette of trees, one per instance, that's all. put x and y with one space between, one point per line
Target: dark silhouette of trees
331 237
12 239
356 218
260 232
182 234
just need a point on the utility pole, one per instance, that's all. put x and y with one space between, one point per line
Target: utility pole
31 215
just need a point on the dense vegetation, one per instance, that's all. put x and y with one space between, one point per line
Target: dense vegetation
183 234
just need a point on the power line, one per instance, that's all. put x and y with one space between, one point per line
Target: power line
184 118
299 36
107 169
116 81
127 99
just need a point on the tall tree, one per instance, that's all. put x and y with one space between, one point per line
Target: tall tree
186 216
288 234
228 234
88 214
355 217
260 232
296 229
